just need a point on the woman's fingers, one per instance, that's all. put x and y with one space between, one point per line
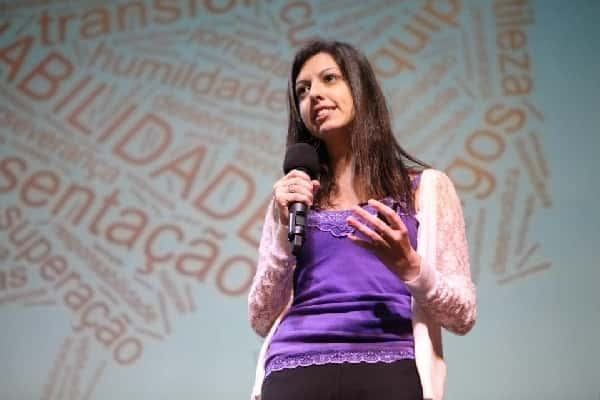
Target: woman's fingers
384 228
297 190
315 185
373 235
388 240
360 242
376 225
297 173
296 186
393 220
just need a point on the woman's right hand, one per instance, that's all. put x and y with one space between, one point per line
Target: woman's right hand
296 186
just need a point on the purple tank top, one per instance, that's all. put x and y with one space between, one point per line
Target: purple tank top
348 306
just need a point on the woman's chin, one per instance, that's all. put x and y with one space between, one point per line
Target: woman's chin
327 129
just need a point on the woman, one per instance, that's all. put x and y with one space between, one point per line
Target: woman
358 312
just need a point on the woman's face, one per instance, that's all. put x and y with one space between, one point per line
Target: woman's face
324 96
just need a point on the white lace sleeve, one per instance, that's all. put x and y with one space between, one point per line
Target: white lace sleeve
444 289
272 285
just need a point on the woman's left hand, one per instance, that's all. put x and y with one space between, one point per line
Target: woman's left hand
390 243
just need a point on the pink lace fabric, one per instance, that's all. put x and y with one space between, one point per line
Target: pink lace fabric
443 290
271 288
448 296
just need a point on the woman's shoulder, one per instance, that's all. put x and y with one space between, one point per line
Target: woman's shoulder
417 175
430 184
431 175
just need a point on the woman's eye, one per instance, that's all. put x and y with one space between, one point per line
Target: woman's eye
301 90
330 77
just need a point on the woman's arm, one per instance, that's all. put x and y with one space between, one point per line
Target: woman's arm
443 289
272 284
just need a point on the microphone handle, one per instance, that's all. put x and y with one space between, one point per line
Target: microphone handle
297 226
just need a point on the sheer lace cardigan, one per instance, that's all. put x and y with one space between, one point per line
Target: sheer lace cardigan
443 294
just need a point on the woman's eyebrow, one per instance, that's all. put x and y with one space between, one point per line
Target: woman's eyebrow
320 73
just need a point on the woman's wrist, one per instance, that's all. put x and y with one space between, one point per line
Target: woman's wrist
413 267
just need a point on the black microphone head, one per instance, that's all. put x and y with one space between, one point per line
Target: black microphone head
304 157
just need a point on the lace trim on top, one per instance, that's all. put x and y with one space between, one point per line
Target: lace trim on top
337 357
334 221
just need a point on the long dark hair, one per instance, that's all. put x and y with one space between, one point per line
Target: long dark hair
380 164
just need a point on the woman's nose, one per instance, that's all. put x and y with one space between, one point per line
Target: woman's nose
316 91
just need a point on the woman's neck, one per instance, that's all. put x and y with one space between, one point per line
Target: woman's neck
340 154
342 172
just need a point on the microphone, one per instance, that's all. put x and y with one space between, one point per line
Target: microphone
303 157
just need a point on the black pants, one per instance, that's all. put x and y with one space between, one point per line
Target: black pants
380 381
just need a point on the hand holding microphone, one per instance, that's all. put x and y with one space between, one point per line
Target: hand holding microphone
294 192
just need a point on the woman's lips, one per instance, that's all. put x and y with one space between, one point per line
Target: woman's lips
322 114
